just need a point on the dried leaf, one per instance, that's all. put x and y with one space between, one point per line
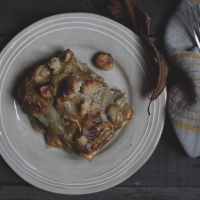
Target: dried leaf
163 72
144 25
130 5
116 8
142 20
141 25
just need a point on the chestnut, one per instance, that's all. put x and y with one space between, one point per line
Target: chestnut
104 61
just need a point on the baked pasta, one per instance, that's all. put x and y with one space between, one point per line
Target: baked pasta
73 105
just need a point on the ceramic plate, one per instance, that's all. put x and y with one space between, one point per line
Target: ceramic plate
53 169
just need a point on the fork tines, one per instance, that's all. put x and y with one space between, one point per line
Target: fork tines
193 19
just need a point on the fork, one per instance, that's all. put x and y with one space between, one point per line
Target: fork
195 24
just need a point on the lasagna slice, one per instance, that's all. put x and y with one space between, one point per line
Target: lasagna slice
73 105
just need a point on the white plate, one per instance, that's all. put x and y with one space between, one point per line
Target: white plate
53 169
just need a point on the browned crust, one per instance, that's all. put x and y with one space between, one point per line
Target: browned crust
54 141
76 127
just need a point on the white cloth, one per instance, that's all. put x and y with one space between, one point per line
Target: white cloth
184 97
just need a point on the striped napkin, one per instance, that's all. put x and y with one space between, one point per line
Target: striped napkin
184 97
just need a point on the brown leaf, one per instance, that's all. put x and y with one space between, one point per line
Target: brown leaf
142 20
116 8
141 25
130 5
163 72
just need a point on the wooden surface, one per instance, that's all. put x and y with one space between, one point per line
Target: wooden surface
168 174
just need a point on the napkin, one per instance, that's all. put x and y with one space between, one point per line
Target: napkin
184 96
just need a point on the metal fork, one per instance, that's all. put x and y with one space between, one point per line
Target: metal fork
194 21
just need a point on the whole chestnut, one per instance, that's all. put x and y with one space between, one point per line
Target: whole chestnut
104 61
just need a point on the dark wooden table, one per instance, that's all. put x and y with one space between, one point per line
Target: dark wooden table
168 174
